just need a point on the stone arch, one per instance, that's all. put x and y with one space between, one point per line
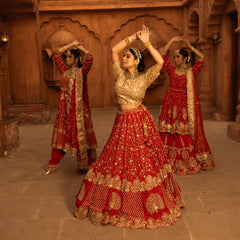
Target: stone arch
161 29
53 24
90 41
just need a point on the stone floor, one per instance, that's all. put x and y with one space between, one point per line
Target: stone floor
33 206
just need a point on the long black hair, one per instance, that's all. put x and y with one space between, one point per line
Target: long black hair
184 53
141 65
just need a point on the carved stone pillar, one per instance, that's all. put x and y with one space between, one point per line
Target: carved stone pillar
9 134
0 108
7 96
205 91
234 127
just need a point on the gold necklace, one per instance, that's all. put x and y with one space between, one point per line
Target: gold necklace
180 69
131 75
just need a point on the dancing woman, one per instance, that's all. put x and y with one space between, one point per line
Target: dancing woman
131 184
73 129
180 119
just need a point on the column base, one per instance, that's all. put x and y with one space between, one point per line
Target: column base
28 112
234 131
219 117
9 135
207 112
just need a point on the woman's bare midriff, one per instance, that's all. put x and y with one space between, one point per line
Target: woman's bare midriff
127 107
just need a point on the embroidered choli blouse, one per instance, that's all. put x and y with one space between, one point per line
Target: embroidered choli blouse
131 90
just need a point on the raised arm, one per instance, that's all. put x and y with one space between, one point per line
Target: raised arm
88 60
197 52
143 35
73 44
167 46
116 49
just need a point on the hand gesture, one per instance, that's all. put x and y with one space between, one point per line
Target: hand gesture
177 39
75 43
143 34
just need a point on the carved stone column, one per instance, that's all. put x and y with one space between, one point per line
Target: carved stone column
205 91
234 127
7 96
0 108
9 134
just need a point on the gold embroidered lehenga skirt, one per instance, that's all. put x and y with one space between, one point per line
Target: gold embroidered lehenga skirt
131 184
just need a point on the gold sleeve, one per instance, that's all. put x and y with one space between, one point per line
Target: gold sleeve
151 75
117 70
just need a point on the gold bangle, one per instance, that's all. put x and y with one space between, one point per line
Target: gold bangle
148 43
192 48
127 41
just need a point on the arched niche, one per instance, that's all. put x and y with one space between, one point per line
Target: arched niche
57 31
58 39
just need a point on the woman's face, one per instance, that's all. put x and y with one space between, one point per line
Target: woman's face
128 60
69 59
178 58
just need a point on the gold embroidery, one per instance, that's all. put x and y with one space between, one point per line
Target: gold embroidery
174 111
145 129
185 154
124 221
190 100
115 201
129 90
184 113
115 182
82 192
154 202
204 157
80 121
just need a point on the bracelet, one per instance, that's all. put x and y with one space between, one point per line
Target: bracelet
192 48
148 43
127 41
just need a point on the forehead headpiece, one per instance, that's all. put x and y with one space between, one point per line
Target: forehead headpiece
177 51
137 53
68 52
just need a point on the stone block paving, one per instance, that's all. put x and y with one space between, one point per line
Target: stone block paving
37 207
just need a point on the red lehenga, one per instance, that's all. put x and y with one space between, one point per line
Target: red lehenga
73 130
180 123
131 184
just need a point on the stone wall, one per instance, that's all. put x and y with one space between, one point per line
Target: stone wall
100 25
